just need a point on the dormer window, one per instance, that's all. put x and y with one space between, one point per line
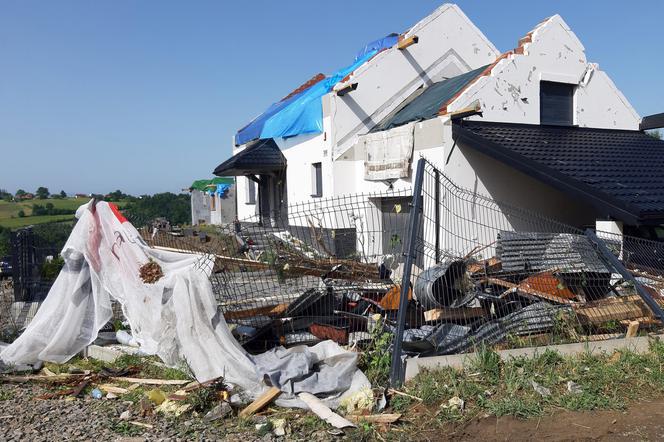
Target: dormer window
556 103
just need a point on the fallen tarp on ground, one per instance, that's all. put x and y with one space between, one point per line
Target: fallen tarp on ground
175 317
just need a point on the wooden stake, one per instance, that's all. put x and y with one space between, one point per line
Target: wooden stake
632 329
259 403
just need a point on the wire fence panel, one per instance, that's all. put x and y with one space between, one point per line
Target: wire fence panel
442 268
321 273
487 273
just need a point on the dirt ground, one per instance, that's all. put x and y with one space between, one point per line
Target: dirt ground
641 421
22 417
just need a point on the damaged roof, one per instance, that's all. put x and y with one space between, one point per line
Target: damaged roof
259 156
620 172
428 102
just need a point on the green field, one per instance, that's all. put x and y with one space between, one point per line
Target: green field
9 211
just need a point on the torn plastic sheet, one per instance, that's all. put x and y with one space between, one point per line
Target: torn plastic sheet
303 112
176 317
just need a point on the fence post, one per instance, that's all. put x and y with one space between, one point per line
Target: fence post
396 371
615 262
436 211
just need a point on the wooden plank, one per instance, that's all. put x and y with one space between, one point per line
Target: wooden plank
403 43
270 310
492 264
151 381
386 418
632 329
614 309
453 314
37 378
261 402
526 289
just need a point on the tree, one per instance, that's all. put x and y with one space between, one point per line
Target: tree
20 192
21 214
655 134
175 208
42 193
4 195
117 195
63 194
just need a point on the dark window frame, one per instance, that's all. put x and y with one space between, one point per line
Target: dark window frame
317 180
557 103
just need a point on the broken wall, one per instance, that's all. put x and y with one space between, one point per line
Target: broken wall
509 91
448 44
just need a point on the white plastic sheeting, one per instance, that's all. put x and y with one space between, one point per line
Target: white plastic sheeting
176 318
388 153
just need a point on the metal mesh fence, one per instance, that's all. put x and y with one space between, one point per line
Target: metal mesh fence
321 273
487 273
444 270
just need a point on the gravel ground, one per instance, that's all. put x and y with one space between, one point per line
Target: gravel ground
23 417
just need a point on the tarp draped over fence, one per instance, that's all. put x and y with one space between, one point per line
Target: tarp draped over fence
175 317
303 112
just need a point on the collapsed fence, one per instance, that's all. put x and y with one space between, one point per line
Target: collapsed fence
440 268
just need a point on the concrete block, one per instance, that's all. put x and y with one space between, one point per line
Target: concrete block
639 344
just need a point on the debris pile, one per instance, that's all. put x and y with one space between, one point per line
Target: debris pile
533 288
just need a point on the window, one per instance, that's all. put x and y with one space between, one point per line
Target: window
556 103
213 202
250 197
317 179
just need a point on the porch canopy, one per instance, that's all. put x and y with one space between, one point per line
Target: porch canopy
259 157
620 172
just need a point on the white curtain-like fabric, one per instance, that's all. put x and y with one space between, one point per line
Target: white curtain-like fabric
388 153
176 318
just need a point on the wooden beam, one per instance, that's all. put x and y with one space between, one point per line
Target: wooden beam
406 42
518 289
614 309
452 314
632 329
386 418
270 310
346 89
261 402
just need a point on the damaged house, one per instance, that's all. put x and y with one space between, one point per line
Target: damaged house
539 127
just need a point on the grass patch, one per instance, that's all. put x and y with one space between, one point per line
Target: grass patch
15 223
491 386
6 395
124 428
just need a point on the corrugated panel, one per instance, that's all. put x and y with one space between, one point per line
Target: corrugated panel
535 251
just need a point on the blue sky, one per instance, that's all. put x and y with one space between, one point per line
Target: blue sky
145 96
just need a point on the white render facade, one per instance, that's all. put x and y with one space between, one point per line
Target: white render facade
508 90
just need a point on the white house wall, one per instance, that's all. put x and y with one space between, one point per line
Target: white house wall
510 93
449 45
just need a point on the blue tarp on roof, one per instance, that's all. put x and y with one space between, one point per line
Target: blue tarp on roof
303 112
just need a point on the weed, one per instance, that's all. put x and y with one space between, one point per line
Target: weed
203 399
310 423
376 359
265 429
487 362
400 403
125 428
364 432
6 395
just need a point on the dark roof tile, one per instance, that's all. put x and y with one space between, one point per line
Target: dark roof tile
620 170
